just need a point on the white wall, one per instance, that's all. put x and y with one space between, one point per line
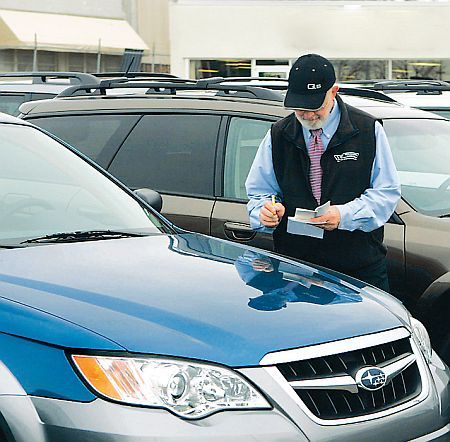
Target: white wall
205 29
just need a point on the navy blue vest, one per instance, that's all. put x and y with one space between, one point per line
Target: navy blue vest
343 180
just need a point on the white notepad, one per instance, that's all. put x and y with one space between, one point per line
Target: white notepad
300 224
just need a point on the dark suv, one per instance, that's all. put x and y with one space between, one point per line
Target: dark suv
195 141
18 87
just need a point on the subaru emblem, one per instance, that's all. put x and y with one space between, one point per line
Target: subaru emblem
371 378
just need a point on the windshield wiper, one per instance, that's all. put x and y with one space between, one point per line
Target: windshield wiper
447 215
88 235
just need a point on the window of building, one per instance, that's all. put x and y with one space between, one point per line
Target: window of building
420 69
24 60
272 62
220 68
47 61
348 70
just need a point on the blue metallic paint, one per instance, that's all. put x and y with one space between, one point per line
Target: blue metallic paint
182 296
36 365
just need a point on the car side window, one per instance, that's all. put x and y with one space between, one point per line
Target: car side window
97 136
244 137
171 153
9 104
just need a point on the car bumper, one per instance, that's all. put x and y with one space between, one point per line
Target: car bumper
42 419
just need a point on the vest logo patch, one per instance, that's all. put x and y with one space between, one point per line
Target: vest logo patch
346 156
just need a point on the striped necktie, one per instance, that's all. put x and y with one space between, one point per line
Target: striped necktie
316 150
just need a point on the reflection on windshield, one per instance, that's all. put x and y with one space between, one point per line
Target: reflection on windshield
421 153
45 188
282 283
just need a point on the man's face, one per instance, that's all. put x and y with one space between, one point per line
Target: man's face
316 119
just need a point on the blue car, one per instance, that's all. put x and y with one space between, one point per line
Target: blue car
117 325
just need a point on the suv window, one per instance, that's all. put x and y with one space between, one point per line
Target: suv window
97 136
10 103
421 154
244 137
170 153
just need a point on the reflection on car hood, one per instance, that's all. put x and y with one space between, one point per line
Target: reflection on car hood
188 296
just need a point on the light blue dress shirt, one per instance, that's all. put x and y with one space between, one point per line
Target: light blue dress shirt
368 212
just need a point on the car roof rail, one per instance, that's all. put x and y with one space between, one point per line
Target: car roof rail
134 74
172 87
39 77
266 82
422 87
137 81
366 93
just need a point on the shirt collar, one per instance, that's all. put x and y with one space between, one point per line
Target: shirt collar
330 126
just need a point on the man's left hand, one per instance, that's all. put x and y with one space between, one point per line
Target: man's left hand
332 219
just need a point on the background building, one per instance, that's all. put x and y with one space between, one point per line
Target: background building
366 39
60 35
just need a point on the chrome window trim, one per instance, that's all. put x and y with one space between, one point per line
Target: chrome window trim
336 347
284 384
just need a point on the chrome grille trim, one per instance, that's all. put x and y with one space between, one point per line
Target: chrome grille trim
354 344
347 382
336 347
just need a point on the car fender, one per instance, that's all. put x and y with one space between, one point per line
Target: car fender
16 408
433 308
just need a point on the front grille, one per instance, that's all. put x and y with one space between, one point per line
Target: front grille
337 403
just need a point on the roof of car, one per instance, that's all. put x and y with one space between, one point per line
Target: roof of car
423 101
127 103
220 94
43 82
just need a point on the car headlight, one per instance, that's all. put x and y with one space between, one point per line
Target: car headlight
422 338
189 389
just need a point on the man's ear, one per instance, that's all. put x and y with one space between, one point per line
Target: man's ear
334 90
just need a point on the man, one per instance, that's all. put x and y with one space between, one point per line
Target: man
325 151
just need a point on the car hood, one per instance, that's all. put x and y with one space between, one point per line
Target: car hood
188 296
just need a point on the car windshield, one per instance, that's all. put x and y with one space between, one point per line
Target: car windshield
421 150
46 189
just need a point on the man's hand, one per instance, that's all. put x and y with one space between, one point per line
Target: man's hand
332 219
270 214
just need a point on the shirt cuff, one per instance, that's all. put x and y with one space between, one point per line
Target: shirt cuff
346 217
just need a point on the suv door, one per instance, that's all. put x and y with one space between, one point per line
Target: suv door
230 218
175 155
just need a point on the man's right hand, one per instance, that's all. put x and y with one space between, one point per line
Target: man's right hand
270 214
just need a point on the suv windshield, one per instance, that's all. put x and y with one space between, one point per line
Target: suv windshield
46 189
421 150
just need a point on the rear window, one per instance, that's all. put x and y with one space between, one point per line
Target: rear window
9 104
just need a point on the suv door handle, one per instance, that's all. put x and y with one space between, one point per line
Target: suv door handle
239 231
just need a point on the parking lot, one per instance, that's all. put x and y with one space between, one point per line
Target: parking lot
140 302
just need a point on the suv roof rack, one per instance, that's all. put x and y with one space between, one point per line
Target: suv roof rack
422 87
265 82
47 77
172 87
366 93
133 74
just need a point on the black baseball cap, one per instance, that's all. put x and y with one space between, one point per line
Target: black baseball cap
310 78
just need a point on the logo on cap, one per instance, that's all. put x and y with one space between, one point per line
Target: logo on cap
311 86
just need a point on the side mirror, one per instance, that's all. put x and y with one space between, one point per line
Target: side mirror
151 197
